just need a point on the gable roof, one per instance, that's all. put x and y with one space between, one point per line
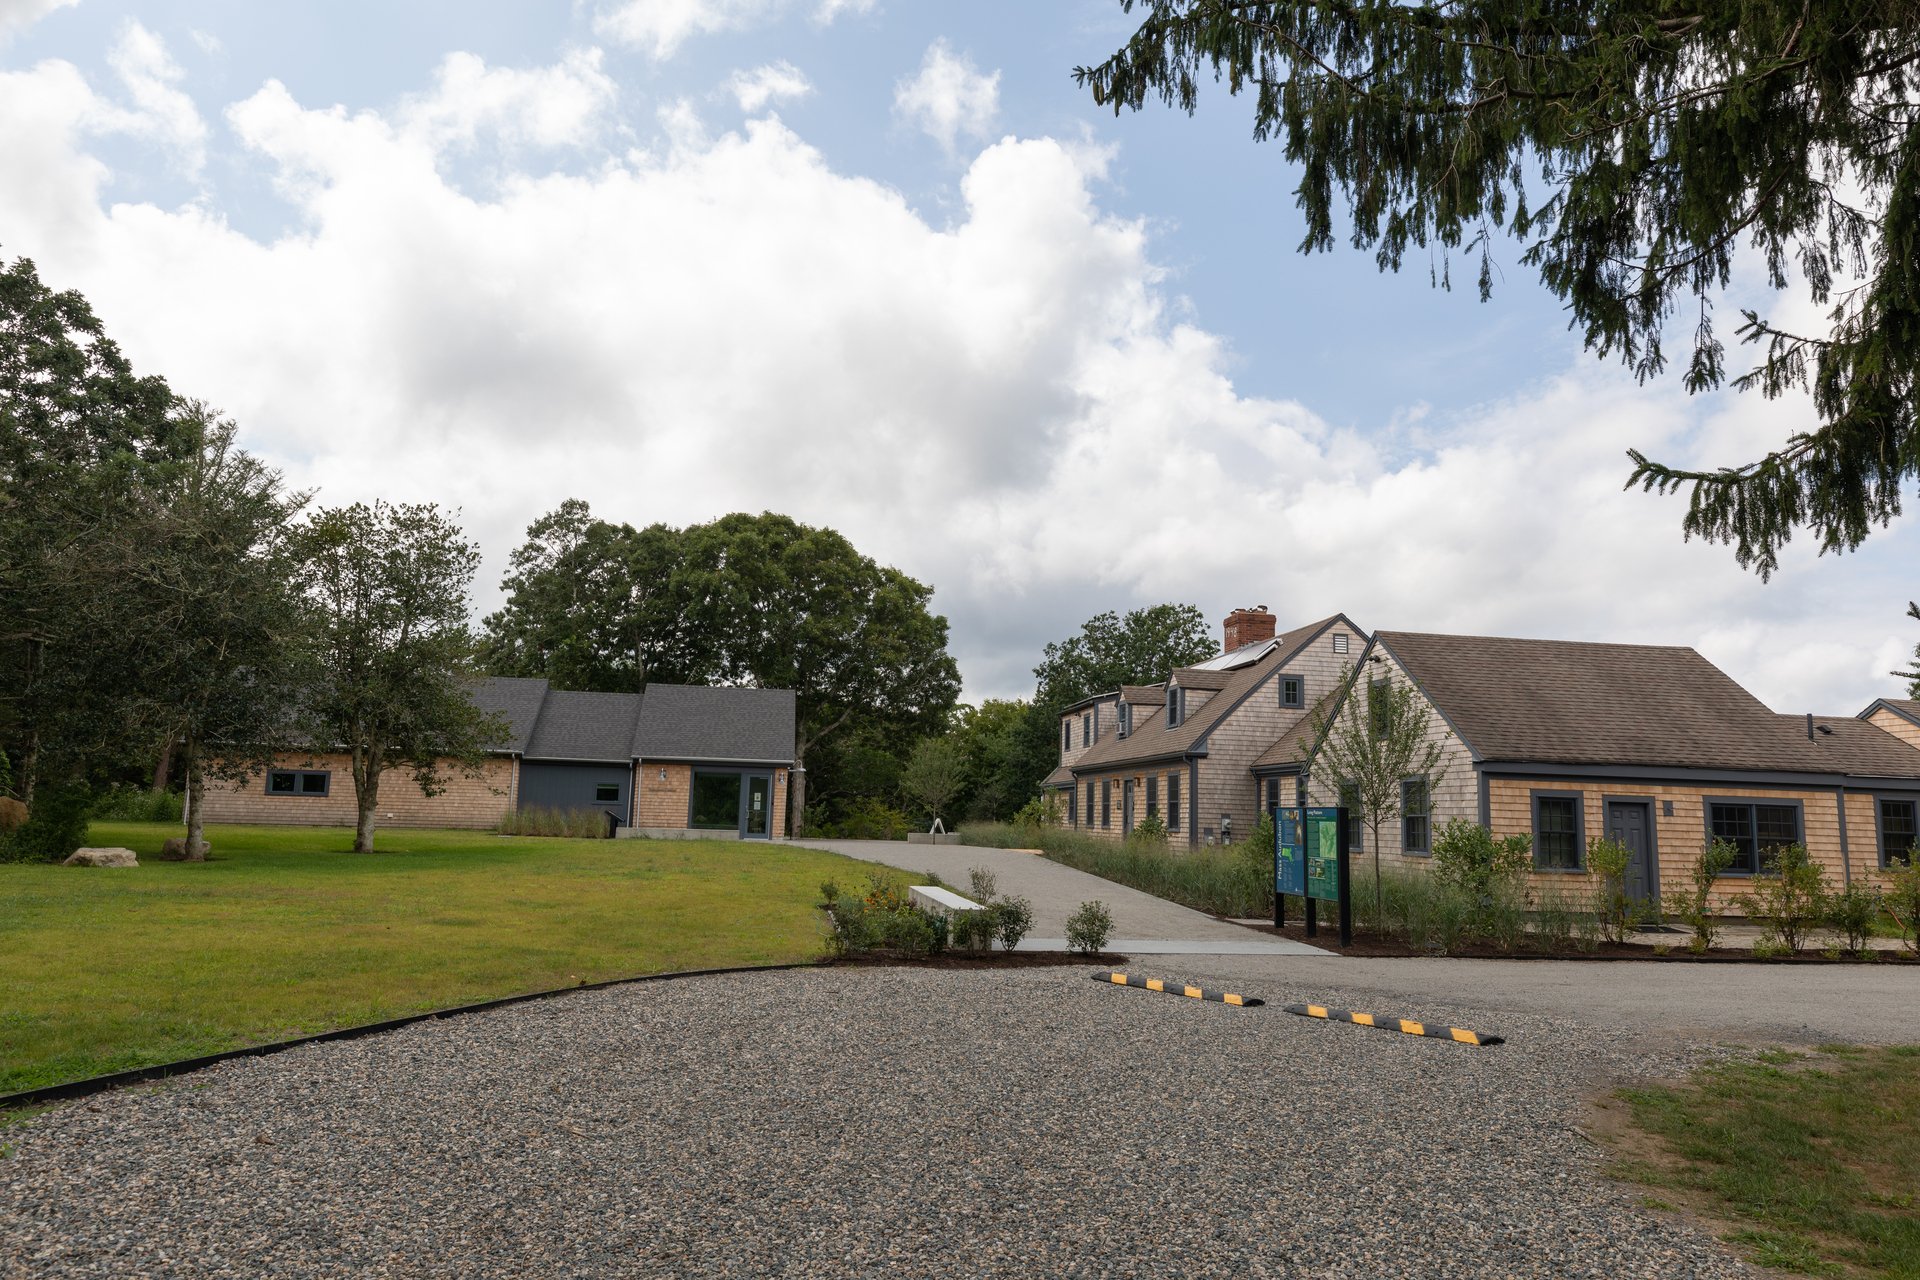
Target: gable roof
516 699
1144 695
584 726
1847 745
1578 702
1151 739
1905 708
693 722
1297 743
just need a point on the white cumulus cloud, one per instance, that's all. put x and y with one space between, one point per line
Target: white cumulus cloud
1006 404
161 109
17 15
661 26
776 82
948 97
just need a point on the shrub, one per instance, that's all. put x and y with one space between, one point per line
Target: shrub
55 826
1149 830
971 930
537 820
883 918
1613 910
1789 899
1902 900
869 819
1012 921
1466 855
1553 920
981 885
1851 913
136 804
1689 905
1089 928
1038 814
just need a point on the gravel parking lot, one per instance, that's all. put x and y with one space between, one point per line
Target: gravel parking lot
861 1122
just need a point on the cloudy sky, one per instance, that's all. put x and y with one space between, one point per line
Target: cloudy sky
880 266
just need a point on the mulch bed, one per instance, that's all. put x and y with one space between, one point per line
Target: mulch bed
1367 943
979 959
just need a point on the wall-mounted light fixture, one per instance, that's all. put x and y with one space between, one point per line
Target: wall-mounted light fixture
663 775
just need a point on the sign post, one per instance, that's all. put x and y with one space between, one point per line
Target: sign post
1310 858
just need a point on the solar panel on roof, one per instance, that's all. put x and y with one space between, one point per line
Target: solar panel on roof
1245 656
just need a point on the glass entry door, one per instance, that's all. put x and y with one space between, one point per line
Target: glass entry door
759 807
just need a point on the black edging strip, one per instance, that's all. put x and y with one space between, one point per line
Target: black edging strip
160 1071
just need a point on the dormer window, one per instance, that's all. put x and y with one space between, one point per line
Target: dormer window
1086 729
1293 691
1176 705
1066 735
1126 718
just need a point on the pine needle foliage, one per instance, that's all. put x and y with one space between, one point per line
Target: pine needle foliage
1635 148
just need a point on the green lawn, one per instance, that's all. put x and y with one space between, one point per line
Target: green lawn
287 933
1814 1159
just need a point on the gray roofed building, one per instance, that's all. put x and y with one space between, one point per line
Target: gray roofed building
691 722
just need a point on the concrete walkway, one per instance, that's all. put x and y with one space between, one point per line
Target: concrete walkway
1142 924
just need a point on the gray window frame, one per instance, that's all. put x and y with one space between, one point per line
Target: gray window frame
1356 828
1425 783
1123 718
1340 642
300 791
1707 802
1299 699
1879 823
1579 798
1066 735
1176 706
1173 801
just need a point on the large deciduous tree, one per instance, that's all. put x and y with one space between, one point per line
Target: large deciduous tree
1139 647
394 660
83 442
794 607
221 628
1635 148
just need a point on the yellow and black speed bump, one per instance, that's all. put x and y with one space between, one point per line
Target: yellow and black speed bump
1406 1025
1177 989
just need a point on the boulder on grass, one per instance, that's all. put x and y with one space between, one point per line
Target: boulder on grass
176 850
101 858
12 813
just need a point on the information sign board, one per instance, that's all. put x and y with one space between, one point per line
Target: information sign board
1289 855
1322 840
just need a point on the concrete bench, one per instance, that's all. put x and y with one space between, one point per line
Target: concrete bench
940 902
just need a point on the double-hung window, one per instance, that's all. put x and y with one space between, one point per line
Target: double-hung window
1556 833
1176 706
1755 829
1173 802
1897 831
1086 729
1124 715
1416 816
1293 691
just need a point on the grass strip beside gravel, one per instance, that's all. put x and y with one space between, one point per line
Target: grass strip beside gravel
1815 1158
287 933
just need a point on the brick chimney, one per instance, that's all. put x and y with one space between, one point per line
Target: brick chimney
1248 626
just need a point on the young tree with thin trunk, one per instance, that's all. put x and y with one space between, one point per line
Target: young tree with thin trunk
393 658
934 774
1379 737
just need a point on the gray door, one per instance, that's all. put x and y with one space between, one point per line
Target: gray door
1628 822
758 808
1126 806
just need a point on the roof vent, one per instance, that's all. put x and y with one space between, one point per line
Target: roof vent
1827 729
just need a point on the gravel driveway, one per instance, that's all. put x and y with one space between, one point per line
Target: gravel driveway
866 1122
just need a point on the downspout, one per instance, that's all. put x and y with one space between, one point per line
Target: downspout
1846 863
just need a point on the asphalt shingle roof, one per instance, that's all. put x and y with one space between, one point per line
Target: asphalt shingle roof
516 700
1144 695
1295 743
585 726
691 722
1576 702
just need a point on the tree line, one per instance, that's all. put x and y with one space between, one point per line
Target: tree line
169 608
